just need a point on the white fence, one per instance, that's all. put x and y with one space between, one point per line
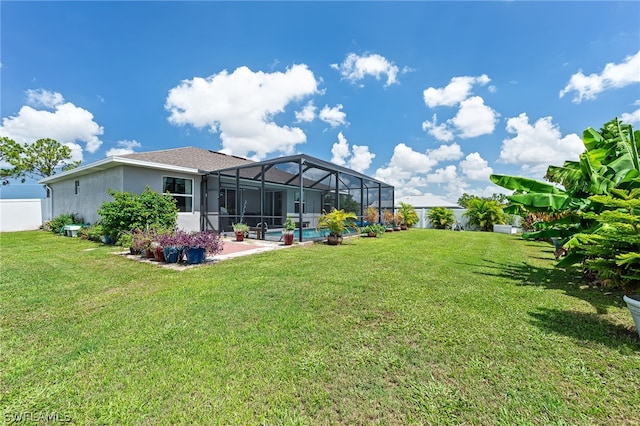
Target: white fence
20 215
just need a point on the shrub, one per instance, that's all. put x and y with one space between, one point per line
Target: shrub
441 218
374 228
612 250
409 215
484 214
93 233
57 223
371 214
148 210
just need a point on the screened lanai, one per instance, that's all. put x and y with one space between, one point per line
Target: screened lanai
263 194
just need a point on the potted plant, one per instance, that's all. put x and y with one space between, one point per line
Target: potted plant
373 230
397 221
287 233
336 222
371 215
172 244
141 243
387 218
409 215
240 230
198 244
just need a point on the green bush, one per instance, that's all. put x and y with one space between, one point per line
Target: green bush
441 218
57 223
128 211
484 214
93 233
612 249
409 215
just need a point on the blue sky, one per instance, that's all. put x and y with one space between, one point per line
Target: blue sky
431 97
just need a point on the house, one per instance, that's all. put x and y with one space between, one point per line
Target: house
422 204
214 190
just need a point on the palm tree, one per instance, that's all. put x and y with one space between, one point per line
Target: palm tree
484 214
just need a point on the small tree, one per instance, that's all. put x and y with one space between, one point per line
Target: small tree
612 249
38 160
409 215
484 213
441 217
371 214
148 210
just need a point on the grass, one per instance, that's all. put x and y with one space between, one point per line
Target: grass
416 327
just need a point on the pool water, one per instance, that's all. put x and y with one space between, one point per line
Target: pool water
307 234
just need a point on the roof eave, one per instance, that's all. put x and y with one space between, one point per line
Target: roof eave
110 162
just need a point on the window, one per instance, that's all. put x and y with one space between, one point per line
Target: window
180 189
296 203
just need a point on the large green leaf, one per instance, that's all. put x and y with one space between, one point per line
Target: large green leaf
554 202
523 184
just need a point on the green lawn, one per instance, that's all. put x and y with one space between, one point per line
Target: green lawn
416 327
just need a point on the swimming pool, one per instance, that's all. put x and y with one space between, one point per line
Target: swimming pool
307 234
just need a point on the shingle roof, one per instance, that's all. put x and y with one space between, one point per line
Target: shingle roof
192 157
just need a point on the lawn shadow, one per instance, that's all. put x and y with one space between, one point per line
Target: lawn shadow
587 327
568 281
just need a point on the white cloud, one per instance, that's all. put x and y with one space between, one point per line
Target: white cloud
613 76
76 151
406 170
535 147
410 172
334 116
340 151
474 118
443 175
306 114
44 98
448 178
475 167
361 158
124 147
356 68
455 92
632 117
446 153
241 106
67 123
357 157
441 131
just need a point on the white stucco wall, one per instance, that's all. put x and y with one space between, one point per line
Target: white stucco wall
92 192
20 215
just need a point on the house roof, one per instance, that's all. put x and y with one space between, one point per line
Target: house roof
273 174
187 160
190 157
426 201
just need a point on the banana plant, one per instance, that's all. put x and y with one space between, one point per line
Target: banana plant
610 161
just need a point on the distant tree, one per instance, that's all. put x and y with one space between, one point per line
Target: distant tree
40 159
9 149
464 200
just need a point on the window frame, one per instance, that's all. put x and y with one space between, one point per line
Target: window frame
175 195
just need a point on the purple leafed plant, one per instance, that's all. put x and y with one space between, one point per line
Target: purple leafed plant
208 240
